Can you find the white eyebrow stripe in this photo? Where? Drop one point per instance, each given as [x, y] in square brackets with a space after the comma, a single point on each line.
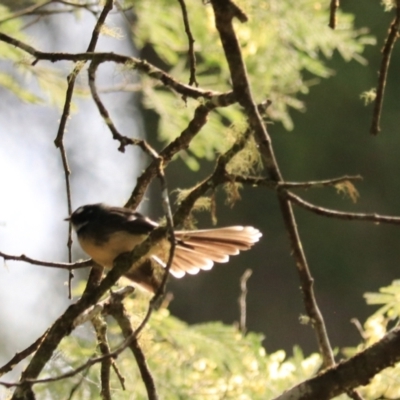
[79, 210]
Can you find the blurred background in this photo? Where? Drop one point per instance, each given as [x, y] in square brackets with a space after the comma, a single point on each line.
[330, 139]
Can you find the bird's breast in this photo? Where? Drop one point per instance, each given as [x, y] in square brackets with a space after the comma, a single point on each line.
[104, 253]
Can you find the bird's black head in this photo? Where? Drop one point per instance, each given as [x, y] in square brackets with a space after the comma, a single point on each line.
[85, 214]
[100, 220]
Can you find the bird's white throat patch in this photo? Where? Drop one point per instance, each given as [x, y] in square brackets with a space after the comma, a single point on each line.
[77, 227]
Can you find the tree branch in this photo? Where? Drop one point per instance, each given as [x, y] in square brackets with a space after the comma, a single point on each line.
[225, 11]
[59, 140]
[123, 140]
[180, 143]
[387, 50]
[64, 324]
[191, 54]
[326, 212]
[68, 266]
[216, 98]
[100, 328]
[332, 15]
[349, 374]
[118, 311]
[22, 355]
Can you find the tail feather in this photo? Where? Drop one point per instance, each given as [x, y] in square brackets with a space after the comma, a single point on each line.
[246, 233]
[186, 265]
[195, 251]
[212, 251]
[198, 250]
[226, 245]
[193, 257]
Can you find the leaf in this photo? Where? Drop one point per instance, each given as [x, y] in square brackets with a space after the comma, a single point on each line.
[296, 40]
[8, 82]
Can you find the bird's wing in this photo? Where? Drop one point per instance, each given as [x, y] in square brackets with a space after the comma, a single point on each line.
[132, 221]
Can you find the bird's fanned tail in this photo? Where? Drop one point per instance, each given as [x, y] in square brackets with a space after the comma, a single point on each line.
[198, 250]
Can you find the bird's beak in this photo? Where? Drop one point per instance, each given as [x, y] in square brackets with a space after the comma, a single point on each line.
[67, 219]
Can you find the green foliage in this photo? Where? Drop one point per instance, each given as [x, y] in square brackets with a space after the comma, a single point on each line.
[385, 384]
[36, 84]
[389, 4]
[11, 56]
[282, 41]
[205, 361]
[389, 298]
[208, 361]
[368, 96]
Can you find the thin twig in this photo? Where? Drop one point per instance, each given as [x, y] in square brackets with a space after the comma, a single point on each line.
[242, 300]
[119, 375]
[78, 384]
[123, 140]
[170, 230]
[100, 328]
[59, 141]
[75, 4]
[220, 176]
[321, 183]
[68, 266]
[191, 54]
[99, 307]
[40, 14]
[261, 181]
[180, 143]
[332, 15]
[25, 11]
[327, 212]
[67, 173]
[22, 355]
[72, 77]
[217, 177]
[118, 311]
[359, 328]
[387, 50]
[217, 99]
[70, 374]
